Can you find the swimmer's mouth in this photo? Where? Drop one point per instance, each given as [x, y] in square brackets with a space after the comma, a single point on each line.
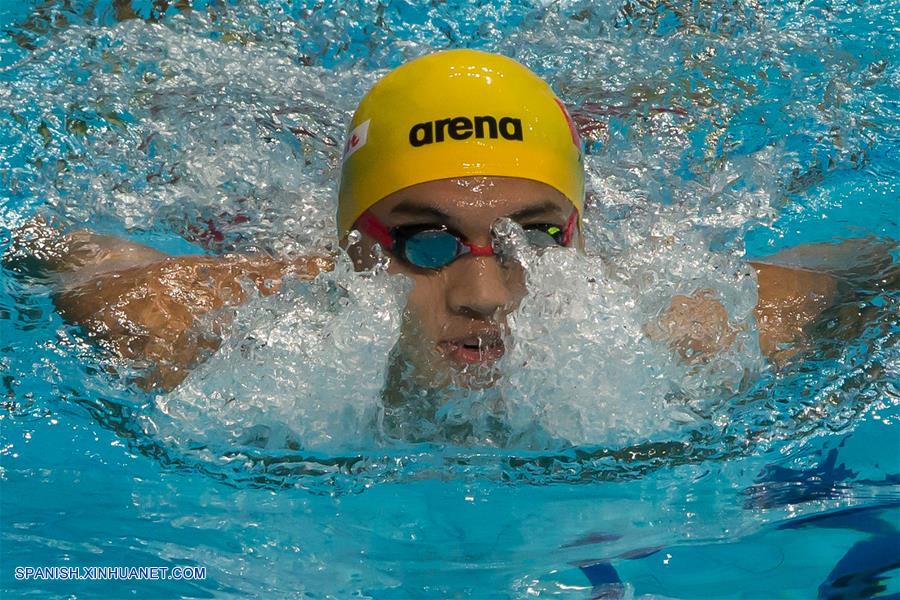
[483, 348]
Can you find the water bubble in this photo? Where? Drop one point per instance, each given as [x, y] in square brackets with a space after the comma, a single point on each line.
[510, 242]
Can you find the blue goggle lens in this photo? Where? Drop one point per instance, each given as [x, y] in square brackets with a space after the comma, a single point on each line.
[431, 249]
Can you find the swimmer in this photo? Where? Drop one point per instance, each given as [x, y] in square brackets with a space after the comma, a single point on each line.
[438, 151]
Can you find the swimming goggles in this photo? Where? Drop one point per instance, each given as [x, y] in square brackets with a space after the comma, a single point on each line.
[435, 246]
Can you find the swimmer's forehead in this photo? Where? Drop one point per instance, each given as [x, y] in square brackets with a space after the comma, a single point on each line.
[470, 200]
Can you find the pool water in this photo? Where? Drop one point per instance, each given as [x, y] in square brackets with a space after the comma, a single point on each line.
[715, 132]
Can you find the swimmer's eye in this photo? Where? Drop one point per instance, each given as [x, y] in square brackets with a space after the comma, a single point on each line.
[407, 231]
[543, 235]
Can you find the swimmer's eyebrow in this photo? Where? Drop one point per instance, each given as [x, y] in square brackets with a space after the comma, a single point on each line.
[417, 210]
[545, 209]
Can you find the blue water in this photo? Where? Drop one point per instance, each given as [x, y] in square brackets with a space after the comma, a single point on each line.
[739, 129]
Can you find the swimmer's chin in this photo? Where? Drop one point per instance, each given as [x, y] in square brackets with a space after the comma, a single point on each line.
[446, 373]
[448, 364]
[470, 363]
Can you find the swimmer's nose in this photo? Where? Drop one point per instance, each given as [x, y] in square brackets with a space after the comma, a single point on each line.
[482, 288]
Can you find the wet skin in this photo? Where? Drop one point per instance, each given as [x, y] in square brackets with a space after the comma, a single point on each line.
[149, 307]
[456, 315]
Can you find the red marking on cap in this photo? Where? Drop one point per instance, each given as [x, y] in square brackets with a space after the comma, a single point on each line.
[573, 130]
[354, 140]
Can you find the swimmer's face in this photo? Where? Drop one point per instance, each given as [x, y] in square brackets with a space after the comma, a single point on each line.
[455, 315]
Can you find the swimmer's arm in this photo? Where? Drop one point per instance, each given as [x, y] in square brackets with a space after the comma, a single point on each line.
[169, 314]
[40, 249]
[696, 327]
[161, 310]
[798, 284]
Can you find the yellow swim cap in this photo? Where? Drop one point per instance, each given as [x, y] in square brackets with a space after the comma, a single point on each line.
[454, 114]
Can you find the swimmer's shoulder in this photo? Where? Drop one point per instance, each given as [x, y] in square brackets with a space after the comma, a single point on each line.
[790, 297]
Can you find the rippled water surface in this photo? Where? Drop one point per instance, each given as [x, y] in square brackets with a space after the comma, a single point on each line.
[715, 132]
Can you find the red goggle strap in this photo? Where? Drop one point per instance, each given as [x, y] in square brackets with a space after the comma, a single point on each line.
[371, 226]
[477, 250]
[569, 230]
